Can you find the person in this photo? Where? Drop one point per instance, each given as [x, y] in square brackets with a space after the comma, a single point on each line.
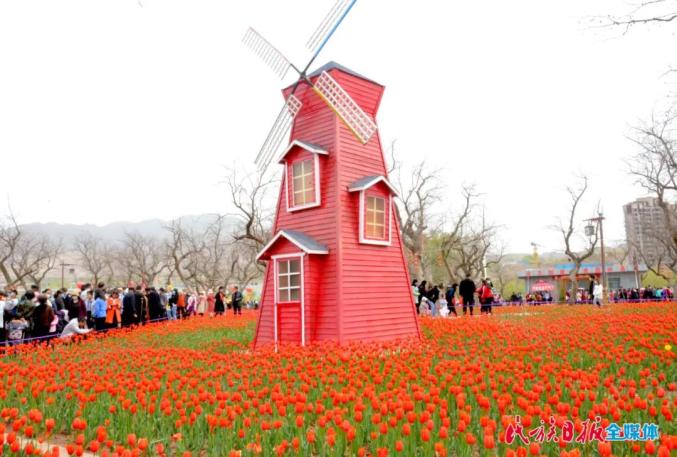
[450, 294]
[180, 303]
[76, 307]
[3, 303]
[597, 292]
[155, 310]
[99, 310]
[422, 292]
[433, 294]
[141, 305]
[440, 304]
[113, 317]
[237, 301]
[201, 304]
[129, 311]
[191, 303]
[486, 297]
[43, 315]
[591, 286]
[89, 304]
[211, 302]
[164, 302]
[220, 302]
[75, 326]
[26, 307]
[467, 291]
[59, 303]
[414, 290]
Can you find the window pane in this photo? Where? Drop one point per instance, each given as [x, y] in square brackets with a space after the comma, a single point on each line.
[284, 295]
[297, 168]
[298, 184]
[283, 281]
[370, 203]
[380, 204]
[295, 295]
[295, 266]
[295, 280]
[375, 218]
[380, 218]
[283, 266]
[309, 196]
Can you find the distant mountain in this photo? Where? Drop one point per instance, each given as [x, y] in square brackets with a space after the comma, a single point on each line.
[115, 231]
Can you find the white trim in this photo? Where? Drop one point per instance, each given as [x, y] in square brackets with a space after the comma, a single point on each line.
[301, 256]
[303, 308]
[363, 239]
[286, 256]
[305, 146]
[374, 181]
[316, 172]
[291, 240]
[275, 303]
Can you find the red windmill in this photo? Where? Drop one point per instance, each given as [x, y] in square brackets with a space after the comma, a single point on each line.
[336, 268]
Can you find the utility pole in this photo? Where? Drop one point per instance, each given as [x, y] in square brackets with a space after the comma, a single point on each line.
[63, 265]
[599, 221]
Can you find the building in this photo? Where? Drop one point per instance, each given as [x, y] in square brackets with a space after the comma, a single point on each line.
[336, 268]
[556, 278]
[644, 224]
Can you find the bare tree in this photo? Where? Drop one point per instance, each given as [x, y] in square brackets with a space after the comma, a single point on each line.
[34, 257]
[94, 256]
[655, 167]
[183, 248]
[24, 255]
[10, 236]
[249, 195]
[569, 235]
[417, 196]
[645, 12]
[465, 248]
[142, 257]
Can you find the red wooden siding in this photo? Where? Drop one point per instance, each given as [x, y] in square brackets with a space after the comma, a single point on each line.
[289, 323]
[357, 291]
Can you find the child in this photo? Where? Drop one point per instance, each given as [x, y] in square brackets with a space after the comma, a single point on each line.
[441, 306]
[425, 307]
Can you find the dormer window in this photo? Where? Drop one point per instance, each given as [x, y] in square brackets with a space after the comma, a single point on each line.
[375, 209]
[302, 175]
[303, 183]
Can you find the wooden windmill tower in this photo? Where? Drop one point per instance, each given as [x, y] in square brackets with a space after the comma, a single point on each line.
[336, 268]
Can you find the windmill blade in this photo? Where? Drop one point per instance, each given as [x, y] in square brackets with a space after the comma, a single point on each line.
[329, 25]
[270, 55]
[359, 122]
[279, 131]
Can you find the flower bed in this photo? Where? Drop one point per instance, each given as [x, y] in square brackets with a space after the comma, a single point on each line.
[196, 388]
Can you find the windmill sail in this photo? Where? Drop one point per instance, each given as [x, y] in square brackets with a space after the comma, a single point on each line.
[270, 55]
[329, 25]
[279, 131]
[359, 122]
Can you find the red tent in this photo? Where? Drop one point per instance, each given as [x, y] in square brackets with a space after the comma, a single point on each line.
[542, 286]
[335, 266]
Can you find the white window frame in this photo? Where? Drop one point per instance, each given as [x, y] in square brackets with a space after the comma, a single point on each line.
[301, 257]
[362, 222]
[316, 171]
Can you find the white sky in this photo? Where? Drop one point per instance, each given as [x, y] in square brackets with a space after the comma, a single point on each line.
[111, 111]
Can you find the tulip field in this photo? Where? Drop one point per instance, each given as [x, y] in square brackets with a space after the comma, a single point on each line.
[197, 388]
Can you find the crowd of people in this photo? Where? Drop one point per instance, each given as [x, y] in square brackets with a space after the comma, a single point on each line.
[40, 315]
[436, 300]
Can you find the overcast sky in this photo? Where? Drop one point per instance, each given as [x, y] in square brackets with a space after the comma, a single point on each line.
[114, 111]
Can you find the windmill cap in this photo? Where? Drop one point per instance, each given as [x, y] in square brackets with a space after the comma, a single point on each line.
[336, 66]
